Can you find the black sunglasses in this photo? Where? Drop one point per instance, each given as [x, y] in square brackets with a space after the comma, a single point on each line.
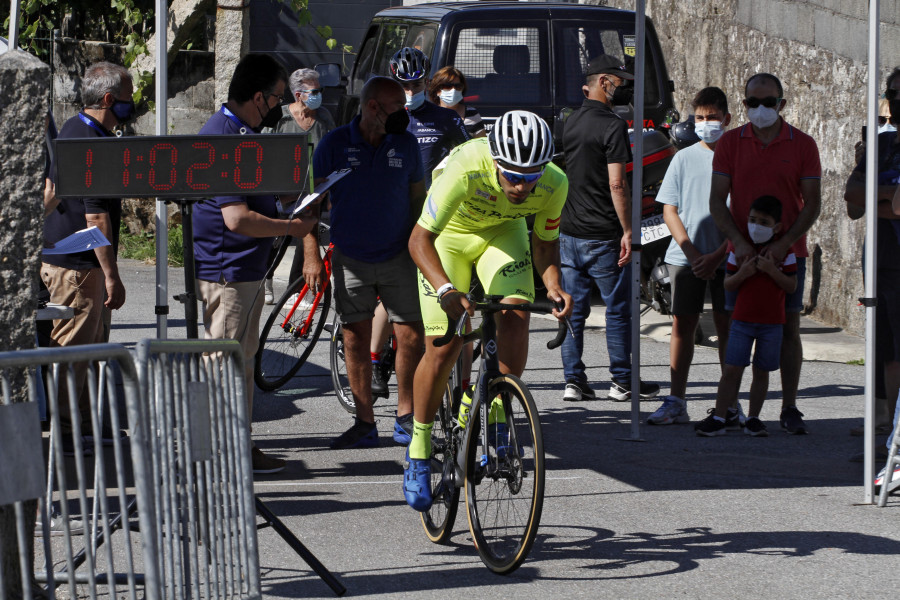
[768, 101]
[451, 86]
[890, 94]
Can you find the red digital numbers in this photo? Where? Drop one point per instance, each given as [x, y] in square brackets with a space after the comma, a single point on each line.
[257, 177]
[173, 173]
[88, 163]
[197, 166]
[299, 175]
[126, 160]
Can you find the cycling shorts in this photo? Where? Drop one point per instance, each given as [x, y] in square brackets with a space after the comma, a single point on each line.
[502, 260]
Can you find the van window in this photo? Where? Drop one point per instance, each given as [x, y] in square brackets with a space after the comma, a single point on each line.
[580, 43]
[366, 54]
[392, 37]
[506, 66]
[422, 37]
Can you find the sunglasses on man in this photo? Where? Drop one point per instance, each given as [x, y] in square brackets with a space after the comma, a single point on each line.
[768, 101]
[516, 178]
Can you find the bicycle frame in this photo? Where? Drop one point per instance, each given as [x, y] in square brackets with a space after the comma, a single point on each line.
[303, 330]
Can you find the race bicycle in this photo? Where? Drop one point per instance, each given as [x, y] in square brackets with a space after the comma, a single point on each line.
[339, 378]
[292, 329]
[498, 455]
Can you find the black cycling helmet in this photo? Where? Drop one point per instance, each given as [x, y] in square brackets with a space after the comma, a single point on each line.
[683, 134]
[409, 64]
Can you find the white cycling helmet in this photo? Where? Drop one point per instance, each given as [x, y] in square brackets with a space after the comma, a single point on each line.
[521, 139]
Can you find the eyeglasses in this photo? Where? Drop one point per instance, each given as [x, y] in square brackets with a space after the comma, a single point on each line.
[315, 91]
[882, 120]
[768, 101]
[519, 178]
[890, 93]
[452, 86]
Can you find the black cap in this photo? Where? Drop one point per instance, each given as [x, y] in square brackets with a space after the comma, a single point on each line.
[609, 65]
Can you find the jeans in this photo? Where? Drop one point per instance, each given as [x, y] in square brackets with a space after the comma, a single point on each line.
[592, 261]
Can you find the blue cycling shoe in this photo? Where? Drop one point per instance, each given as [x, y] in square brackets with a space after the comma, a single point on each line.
[498, 438]
[403, 428]
[417, 483]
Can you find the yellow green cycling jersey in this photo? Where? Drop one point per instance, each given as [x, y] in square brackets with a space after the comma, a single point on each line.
[467, 198]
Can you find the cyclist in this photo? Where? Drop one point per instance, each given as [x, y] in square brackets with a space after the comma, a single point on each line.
[438, 130]
[475, 215]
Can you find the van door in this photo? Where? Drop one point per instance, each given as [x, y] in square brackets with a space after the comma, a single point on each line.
[506, 67]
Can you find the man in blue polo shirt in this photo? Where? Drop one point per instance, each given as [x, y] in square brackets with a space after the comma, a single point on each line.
[373, 211]
[233, 235]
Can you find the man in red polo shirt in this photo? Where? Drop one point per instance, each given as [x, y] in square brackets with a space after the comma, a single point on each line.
[770, 157]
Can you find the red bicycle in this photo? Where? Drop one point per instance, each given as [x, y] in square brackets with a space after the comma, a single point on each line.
[292, 330]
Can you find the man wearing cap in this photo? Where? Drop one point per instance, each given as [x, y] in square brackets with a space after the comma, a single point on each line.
[595, 231]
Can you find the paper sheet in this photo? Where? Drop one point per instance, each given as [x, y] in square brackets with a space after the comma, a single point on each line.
[80, 241]
[320, 189]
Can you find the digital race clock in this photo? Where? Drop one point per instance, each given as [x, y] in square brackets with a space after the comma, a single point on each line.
[181, 166]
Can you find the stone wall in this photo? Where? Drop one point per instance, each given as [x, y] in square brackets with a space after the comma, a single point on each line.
[818, 50]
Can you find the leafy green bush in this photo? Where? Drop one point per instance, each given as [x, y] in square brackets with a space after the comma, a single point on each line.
[143, 246]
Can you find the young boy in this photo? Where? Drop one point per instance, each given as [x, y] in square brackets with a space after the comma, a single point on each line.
[761, 285]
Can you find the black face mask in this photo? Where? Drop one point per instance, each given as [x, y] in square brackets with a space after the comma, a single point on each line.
[270, 120]
[396, 122]
[895, 111]
[623, 96]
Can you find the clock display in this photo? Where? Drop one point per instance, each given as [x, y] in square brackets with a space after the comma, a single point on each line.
[181, 166]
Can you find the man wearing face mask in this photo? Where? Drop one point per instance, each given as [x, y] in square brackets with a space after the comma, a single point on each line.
[697, 252]
[887, 276]
[437, 129]
[373, 210]
[88, 282]
[595, 232]
[233, 235]
[769, 157]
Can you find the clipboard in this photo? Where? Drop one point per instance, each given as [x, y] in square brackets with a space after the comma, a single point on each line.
[320, 190]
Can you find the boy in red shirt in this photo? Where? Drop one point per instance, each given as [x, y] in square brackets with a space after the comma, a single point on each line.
[761, 285]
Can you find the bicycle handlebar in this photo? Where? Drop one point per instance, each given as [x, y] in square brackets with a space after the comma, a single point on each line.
[491, 307]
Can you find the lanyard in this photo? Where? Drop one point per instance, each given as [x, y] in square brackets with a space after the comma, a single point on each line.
[243, 128]
[92, 124]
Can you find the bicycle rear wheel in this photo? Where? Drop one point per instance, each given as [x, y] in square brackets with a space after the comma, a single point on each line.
[339, 378]
[505, 477]
[438, 520]
[286, 341]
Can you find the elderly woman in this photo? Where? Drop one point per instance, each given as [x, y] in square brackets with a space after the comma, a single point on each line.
[447, 88]
[305, 115]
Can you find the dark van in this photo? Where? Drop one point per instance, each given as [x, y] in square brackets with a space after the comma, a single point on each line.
[515, 55]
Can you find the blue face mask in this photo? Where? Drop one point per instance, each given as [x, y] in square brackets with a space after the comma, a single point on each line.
[415, 101]
[313, 100]
[124, 110]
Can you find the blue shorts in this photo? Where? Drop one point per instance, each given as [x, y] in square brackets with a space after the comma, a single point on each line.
[768, 345]
[793, 303]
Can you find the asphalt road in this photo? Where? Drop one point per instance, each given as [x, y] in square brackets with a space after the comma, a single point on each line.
[671, 515]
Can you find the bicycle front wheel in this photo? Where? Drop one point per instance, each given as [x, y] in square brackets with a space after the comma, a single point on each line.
[339, 378]
[505, 476]
[289, 335]
[438, 520]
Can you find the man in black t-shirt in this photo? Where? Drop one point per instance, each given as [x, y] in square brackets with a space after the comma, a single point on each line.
[595, 231]
[88, 281]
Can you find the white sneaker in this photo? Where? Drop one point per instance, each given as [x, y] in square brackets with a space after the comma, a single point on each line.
[304, 304]
[673, 410]
[270, 292]
[576, 392]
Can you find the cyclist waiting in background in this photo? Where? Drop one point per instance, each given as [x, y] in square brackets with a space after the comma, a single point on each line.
[437, 130]
[475, 215]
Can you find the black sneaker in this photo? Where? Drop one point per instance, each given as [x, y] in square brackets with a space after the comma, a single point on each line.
[735, 419]
[68, 446]
[792, 421]
[621, 391]
[753, 426]
[379, 385]
[710, 426]
[361, 435]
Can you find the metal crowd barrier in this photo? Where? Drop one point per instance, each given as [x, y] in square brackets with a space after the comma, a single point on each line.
[890, 482]
[106, 493]
[201, 468]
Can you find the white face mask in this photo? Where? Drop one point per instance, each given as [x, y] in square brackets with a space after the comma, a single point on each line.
[762, 116]
[760, 234]
[708, 131]
[886, 127]
[451, 97]
[415, 101]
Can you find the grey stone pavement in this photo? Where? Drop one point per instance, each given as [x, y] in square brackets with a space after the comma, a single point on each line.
[672, 515]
